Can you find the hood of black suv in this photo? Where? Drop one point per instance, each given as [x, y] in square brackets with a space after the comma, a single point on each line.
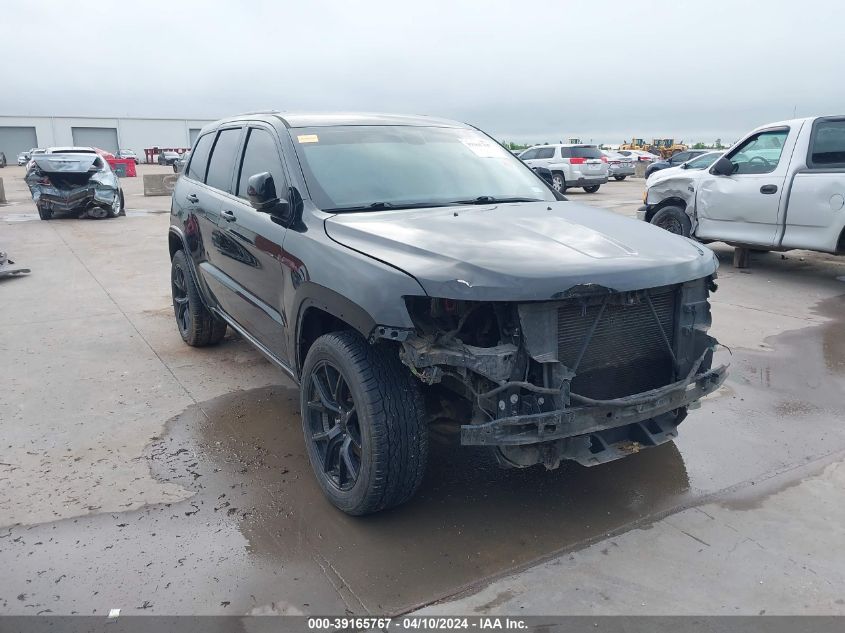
[522, 251]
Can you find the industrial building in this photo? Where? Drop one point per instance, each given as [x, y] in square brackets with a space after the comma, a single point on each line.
[21, 133]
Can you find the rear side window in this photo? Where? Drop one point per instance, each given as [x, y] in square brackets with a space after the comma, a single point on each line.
[199, 158]
[545, 152]
[827, 144]
[585, 152]
[222, 162]
[261, 155]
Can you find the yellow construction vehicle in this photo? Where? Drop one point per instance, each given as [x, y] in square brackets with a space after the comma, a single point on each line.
[666, 147]
[636, 143]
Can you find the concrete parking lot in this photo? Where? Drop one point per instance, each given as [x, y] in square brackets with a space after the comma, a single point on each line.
[141, 474]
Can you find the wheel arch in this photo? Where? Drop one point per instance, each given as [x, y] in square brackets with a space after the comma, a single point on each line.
[176, 241]
[321, 311]
[840, 243]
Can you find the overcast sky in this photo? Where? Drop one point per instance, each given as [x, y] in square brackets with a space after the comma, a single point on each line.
[522, 70]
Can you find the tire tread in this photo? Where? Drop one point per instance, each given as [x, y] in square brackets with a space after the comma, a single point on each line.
[396, 412]
[206, 329]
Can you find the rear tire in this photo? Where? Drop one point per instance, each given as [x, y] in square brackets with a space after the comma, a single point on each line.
[120, 209]
[197, 325]
[592, 188]
[673, 219]
[364, 423]
[620, 177]
[44, 213]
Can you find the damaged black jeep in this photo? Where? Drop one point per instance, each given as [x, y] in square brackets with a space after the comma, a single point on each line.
[74, 179]
[409, 270]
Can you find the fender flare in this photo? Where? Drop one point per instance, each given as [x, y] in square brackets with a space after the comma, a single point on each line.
[192, 267]
[313, 295]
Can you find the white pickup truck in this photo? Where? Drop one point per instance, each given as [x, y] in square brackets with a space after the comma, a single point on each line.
[781, 187]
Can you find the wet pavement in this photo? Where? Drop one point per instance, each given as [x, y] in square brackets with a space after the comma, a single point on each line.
[256, 535]
[213, 508]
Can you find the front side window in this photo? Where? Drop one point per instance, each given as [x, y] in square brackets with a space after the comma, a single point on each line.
[199, 158]
[545, 152]
[680, 157]
[528, 154]
[222, 162]
[372, 167]
[261, 155]
[760, 153]
[827, 145]
[703, 162]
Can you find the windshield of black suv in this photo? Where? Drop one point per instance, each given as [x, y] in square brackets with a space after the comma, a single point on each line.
[353, 168]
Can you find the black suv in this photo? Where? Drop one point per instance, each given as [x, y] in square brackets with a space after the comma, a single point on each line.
[409, 269]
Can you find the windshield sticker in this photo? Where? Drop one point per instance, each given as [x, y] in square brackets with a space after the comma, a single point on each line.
[308, 138]
[482, 147]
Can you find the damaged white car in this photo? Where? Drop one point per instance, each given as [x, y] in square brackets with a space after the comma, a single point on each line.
[74, 179]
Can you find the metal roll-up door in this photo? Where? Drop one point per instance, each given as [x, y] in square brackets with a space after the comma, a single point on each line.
[14, 140]
[101, 137]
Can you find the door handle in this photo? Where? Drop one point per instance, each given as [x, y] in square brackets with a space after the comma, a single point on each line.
[192, 198]
[769, 189]
[228, 215]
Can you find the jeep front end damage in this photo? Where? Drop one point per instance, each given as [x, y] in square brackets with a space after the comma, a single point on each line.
[590, 378]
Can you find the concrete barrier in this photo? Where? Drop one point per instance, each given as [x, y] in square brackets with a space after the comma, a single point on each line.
[2, 192]
[159, 184]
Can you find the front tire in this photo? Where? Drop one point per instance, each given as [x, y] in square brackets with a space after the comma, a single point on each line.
[44, 213]
[592, 188]
[673, 219]
[620, 177]
[363, 418]
[558, 182]
[197, 325]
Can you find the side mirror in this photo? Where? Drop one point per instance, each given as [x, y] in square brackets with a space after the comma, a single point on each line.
[722, 167]
[261, 191]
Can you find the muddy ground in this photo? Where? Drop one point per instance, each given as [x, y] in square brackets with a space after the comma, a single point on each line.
[143, 475]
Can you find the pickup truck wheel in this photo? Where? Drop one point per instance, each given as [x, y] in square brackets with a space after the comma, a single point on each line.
[558, 182]
[673, 219]
[592, 188]
[197, 325]
[620, 177]
[44, 213]
[363, 419]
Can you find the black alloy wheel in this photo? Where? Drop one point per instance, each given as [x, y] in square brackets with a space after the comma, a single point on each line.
[332, 426]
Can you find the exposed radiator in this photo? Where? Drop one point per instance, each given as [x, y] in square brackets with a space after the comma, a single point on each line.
[626, 354]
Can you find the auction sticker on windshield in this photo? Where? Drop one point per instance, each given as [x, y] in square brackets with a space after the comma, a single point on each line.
[308, 138]
[483, 148]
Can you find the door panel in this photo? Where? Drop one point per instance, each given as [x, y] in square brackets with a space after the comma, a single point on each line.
[816, 210]
[250, 243]
[745, 207]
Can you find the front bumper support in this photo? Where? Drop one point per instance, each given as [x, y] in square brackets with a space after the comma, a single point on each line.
[563, 423]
